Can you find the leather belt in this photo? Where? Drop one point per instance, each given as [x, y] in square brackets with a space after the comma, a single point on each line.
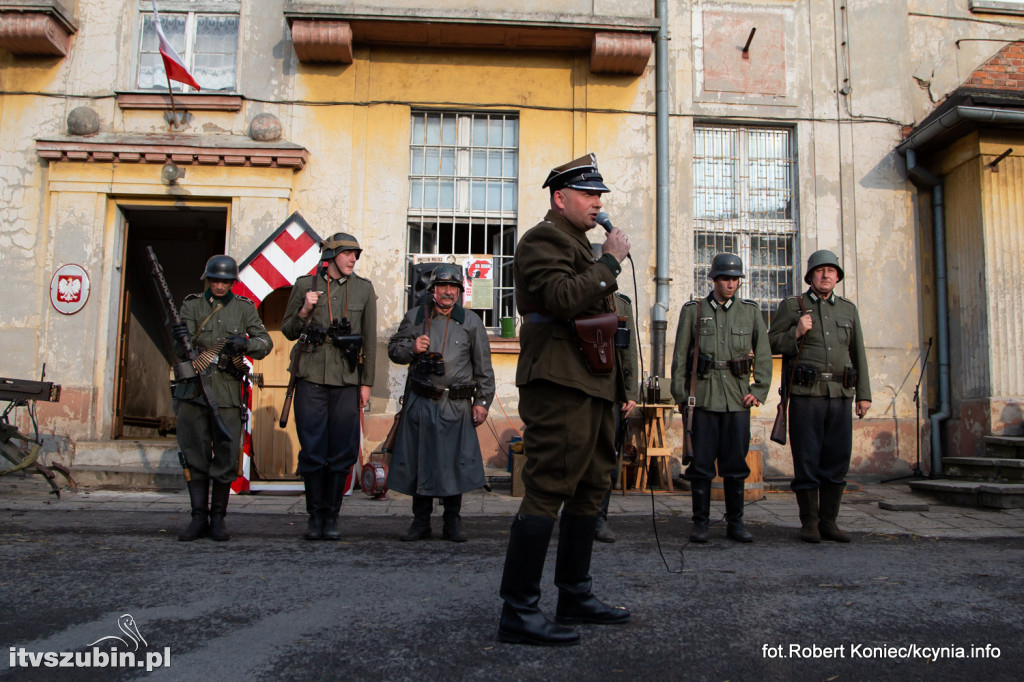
[436, 393]
[540, 318]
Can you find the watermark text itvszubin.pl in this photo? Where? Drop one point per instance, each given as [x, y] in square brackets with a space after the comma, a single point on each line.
[879, 651]
[90, 658]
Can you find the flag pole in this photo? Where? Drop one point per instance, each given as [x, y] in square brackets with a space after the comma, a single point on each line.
[170, 92]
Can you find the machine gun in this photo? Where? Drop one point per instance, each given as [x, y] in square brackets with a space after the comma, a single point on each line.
[24, 393]
[186, 371]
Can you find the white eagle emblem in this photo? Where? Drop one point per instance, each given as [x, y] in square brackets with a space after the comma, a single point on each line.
[69, 288]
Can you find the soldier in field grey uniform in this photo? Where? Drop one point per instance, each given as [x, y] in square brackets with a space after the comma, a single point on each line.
[733, 340]
[437, 453]
[830, 377]
[567, 411]
[214, 317]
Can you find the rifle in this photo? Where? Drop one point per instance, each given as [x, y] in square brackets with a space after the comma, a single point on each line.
[185, 371]
[691, 401]
[305, 340]
[782, 414]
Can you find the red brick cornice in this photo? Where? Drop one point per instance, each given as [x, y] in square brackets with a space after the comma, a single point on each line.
[194, 150]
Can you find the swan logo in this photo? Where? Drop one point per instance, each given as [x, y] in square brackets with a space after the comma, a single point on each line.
[117, 652]
[125, 624]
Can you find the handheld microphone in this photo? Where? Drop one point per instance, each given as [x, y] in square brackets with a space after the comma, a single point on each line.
[605, 221]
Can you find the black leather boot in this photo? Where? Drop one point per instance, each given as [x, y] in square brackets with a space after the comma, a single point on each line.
[831, 498]
[734, 529]
[452, 529]
[314, 503]
[334, 495]
[700, 492]
[198, 493]
[522, 621]
[808, 503]
[576, 601]
[420, 527]
[219, 496]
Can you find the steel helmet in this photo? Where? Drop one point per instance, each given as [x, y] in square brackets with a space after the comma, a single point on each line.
[823, 257]
[337, 243]
[446, 273]
[221, 267]
[726, 265]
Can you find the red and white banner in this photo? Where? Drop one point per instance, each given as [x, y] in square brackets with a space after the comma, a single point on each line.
[174, 65]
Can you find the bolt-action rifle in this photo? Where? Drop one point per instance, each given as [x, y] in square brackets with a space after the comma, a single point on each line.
[185, 371]
[305, 340]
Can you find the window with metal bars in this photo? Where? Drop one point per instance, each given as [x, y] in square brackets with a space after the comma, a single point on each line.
[744, 203]
[205, 36]
[463, 193]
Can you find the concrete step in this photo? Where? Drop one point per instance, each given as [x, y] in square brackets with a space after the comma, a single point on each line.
[128, 464]
[973, 493]
[1004, 446]
[991, 469]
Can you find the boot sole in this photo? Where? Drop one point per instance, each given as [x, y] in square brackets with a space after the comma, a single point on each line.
[510, 638]
[591, 621]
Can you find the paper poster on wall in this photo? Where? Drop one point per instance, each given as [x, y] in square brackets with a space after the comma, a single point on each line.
[477, 272]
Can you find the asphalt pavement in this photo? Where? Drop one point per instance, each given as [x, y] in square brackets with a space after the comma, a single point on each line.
[920, 594]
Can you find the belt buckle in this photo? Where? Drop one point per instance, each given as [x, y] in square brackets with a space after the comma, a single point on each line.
[826, 376]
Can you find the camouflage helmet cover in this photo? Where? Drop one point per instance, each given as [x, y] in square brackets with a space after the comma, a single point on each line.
[337, 243]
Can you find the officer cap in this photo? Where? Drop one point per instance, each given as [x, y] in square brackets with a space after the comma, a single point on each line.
[820, 258]
[579, 174]
[446, 273]
[221, 267]
[726, 265]
[338, 243]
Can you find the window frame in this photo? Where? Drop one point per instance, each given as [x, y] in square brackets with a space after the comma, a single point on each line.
[491, 231]
[192, 9]
[740, 230]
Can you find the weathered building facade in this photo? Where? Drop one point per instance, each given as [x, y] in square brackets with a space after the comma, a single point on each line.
[426, 128]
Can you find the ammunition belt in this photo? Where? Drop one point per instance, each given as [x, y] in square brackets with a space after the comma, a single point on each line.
[807, 376]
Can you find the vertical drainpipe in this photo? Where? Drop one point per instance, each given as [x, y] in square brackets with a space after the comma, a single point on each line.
[923, 178]
[659, 315]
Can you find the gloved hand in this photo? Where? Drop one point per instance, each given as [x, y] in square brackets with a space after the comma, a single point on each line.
[235, 345]
[179, 330]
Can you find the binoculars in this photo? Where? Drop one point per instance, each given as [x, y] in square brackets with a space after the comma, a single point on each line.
[431, 363]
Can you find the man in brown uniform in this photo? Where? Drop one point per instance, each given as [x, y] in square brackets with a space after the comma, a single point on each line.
[567, 411]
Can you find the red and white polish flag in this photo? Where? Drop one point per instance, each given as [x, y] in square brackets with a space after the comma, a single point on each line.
[173, 64]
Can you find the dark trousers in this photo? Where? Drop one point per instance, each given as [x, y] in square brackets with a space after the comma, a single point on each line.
[821, 437]
[722, 436]
[569, 450]
[620, 441]
[207, 459]
[327, 424]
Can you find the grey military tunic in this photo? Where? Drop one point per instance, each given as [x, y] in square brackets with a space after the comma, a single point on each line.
[437, 452]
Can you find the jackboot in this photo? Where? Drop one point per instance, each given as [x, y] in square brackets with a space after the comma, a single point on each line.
[522, 621]
[734, 529]
[334, 495]
[700, 493]
[198, 493]
[314, 503]
[602, 533]
[420, 528]
[576, 601]
[831, 497]
[218, 510]
[808, 502]
[452, 529]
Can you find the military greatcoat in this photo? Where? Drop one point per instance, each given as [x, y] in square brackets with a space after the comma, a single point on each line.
[437, 452]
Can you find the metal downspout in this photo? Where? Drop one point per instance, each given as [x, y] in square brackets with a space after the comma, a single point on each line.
[923, 178]
[659, 315]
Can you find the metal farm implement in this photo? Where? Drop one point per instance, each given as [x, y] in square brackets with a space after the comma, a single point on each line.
[17, 448]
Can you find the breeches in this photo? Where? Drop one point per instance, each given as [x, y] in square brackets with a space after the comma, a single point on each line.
[722, 436]
[206, 458]
[569, 447]
[327, 424]
[821, 437]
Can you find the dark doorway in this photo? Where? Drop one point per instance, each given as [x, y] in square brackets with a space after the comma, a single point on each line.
[183, 239]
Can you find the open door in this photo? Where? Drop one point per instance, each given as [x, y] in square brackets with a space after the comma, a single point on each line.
[183, 239]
